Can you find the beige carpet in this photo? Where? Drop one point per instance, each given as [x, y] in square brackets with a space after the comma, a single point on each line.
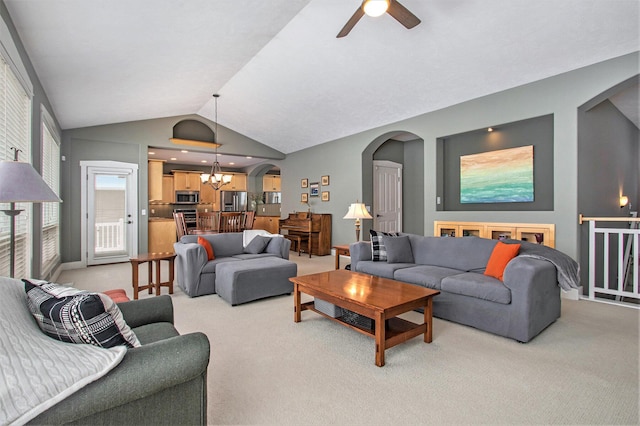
[266, 369]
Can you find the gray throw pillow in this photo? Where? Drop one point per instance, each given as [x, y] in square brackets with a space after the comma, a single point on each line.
[257, 244]
[398, 249]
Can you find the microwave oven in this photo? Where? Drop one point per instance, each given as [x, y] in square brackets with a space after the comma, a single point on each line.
[187, 197]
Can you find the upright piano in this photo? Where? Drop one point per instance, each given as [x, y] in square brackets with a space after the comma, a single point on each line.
[316, 226]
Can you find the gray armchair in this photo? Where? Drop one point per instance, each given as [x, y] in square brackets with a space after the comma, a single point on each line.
[162, 382]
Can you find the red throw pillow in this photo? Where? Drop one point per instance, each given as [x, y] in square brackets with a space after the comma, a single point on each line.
[207, 246]
[501, 255]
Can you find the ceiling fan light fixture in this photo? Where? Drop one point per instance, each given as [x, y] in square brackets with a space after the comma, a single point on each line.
[375, 8]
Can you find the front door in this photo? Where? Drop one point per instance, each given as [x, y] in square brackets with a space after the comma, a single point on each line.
[111, 212]
[387, 196]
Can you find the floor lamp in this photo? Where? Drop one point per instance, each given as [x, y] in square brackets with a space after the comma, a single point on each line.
[357, 211]
[19, 183]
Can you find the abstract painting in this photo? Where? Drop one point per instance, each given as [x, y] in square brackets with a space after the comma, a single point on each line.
[503, 176]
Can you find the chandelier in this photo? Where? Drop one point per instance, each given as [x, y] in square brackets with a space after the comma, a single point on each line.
[216, 178]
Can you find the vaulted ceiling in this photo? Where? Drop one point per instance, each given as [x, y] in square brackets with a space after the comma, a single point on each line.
[284, 78]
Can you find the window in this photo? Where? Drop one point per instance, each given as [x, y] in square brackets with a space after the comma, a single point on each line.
[15, 122]
[50, 211]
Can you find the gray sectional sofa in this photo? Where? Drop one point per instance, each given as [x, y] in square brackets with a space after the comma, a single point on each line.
[197, 276]
[520, 307]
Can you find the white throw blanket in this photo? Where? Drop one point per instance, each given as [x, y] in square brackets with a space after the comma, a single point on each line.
[36, 371]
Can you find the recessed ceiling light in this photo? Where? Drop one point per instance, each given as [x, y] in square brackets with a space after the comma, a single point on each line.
[151, 153]
[490, 129]
[173, 158]
[249, 157]
[203, 161]
[232, 163]
[184, 151]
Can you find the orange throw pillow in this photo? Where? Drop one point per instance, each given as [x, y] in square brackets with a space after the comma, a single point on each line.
[207, 246]
[501, 255]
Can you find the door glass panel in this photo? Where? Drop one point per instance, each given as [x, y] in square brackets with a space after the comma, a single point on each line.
[110, 214]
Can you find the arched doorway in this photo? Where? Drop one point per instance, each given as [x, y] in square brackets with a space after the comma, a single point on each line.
[406, 149]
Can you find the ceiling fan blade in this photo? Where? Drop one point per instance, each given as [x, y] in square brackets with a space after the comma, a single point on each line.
[351, 23]
[402, 14]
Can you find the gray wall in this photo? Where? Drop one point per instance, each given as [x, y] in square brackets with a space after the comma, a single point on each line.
[39, 99]
[536, 131]
[560, 96]
[608, 154]
[129, 142]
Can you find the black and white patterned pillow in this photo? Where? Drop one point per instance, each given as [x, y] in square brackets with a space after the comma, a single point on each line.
[377, 245]
[76, 316]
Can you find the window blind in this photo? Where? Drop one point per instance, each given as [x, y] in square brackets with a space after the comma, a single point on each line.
[15, 121]
[50, 211]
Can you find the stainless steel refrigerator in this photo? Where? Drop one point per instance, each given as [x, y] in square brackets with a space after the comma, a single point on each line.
[233, 201]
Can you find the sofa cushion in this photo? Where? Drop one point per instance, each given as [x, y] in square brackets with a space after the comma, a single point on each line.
[477, 285]
[377, 245]
[501, 255]
[210, 266]
[398, 249]
[381, 269]
[257, 244]
[155, 332]
[76, 316]
[207, 246]
[465, 254]
[224, 244]
[424, 275]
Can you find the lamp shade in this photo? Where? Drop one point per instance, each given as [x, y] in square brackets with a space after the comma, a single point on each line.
[19, 182]
[357, 211]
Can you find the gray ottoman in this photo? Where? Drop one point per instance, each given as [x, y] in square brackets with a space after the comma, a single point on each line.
[241, 282]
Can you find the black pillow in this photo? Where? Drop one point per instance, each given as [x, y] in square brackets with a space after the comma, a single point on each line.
[377, 245]
[257, 244]
[76, 316]
[398, 249]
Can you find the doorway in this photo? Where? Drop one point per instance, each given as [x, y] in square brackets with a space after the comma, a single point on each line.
[110, 211]
[387, 196]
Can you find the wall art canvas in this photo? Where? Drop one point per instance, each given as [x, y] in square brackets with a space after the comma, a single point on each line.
[503, 176]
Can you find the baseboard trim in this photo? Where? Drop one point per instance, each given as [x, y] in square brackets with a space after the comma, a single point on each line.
[71, 265]
[573, 294]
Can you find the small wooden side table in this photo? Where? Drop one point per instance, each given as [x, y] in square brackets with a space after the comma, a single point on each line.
[151, 258]
[341, 251]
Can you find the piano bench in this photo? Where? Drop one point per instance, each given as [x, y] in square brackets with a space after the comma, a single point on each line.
[296, 242]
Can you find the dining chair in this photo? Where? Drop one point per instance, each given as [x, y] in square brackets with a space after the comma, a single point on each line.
[181, 225]
[207, 221]
[230, 222]
[248, 219]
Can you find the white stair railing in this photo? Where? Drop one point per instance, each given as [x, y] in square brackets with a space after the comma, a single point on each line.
[622, 242]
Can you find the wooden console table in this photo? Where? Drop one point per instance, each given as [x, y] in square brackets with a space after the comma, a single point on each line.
[341, 251]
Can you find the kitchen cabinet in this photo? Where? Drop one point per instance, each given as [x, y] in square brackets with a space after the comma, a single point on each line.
[542, 233]
[271, 183]
[162, 235]
[208, 195]
[155, 180]
[268, 223]
[186, 181]
[238, 183]
[168, 193]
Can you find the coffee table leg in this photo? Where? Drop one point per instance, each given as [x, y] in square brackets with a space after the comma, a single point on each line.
[428, 319]
[380, 338]
[296, 303]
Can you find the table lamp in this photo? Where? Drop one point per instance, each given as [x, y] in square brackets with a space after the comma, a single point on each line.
[357, 211]
[19, 182]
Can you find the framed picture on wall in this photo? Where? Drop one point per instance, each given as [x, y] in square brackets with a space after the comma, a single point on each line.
[304, 197]
[314, 189]
[304, 183]
[325, 180]
[325, 195]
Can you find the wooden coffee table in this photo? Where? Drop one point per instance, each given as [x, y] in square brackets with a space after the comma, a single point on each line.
[380, 299]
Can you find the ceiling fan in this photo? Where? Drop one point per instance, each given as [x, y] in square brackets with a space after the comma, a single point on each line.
[377, 8]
